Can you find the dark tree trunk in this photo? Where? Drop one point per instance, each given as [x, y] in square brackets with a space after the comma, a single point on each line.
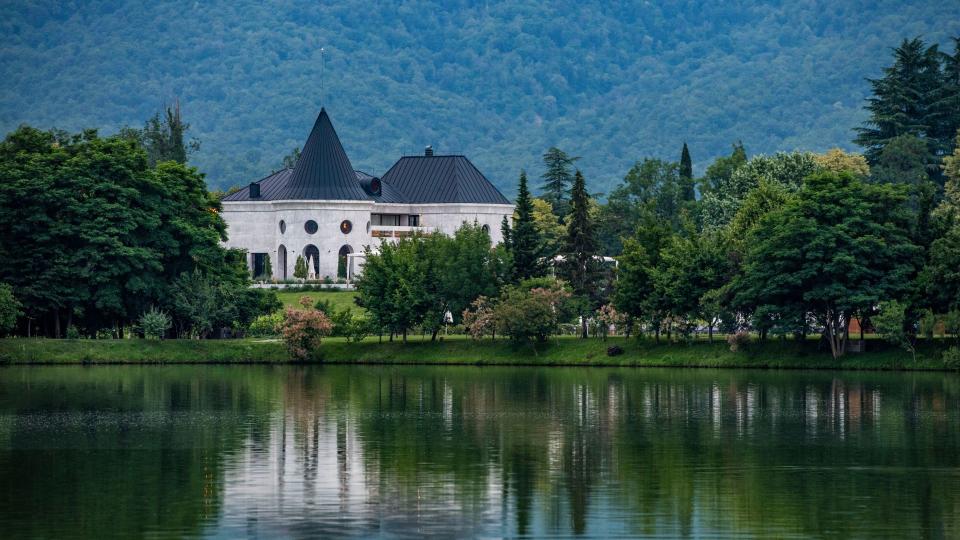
[56, 323]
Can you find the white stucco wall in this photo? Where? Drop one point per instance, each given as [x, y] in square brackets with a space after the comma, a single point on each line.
[255, 226]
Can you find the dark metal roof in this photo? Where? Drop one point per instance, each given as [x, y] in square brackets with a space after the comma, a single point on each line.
[323, 172]
[441, 179]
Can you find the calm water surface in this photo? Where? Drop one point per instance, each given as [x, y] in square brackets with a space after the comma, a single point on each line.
[303, 452]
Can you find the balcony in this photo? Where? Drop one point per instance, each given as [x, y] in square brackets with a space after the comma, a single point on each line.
[397, 231]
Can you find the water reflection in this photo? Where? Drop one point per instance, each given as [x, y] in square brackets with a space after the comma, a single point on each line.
[410, 452]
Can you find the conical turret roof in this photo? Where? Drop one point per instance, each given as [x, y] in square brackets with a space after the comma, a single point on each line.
[323, 171]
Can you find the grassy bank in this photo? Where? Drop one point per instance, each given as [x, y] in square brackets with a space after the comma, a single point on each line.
[558, 352]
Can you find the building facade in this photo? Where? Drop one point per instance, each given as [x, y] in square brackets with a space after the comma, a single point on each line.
[328, 213]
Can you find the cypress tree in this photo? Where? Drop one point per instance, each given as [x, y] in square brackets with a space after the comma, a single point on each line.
[524, 239]
[556, 180]
[507, 233]
[686, 175]
[580, 250]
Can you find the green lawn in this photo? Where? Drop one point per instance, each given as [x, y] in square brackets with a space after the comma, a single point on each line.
[562, 351]
[339, 299]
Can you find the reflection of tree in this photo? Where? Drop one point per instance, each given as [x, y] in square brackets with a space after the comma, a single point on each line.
[121, 452]
[415, 450]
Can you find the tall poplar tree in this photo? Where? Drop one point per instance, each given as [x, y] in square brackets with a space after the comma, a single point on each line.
[557, 179]
[580, 265]
[525, 242]
[687, 192]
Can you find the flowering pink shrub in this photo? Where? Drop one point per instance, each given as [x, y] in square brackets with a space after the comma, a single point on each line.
[303, 330]
[478, 318]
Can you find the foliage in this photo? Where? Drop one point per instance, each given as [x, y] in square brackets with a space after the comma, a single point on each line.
[530, 314]
[606, 317]
[154, 323]
[917, 96]
[163, 138]
[9, 309]
[722, 202]
[303, 330]
[549, 227]
[265, 325]
[417, 281]
[247, 93]
[634, 294]
[267, 267]
[890, 321]
[199, 304]
[951, 358]
[557, 178]
[840, 247]
[478, 319]
[651, 191]
[93, 235]
[837, 160]
[300, 268]
[719, 172]
[687, 188]
[581, 264]
[738, 341]
[526, 246]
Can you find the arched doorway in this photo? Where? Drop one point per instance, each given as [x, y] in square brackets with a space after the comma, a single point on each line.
[342, 261]
[282, 261]
[312, 254]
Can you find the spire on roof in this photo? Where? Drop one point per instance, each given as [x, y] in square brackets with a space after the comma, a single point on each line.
[323, 170]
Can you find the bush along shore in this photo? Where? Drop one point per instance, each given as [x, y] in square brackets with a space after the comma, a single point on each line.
[559, 351]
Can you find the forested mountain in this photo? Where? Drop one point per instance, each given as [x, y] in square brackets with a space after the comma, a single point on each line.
[611, 82]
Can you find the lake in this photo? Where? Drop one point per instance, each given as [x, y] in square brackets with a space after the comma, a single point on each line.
[395, 452]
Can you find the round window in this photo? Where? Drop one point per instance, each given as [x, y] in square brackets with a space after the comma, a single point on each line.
[346, 226]
[283, 226]
[310, 226]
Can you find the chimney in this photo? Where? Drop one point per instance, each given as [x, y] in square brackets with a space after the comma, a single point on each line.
[254, 190]
[428, 151]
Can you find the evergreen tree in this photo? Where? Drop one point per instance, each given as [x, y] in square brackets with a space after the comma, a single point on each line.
[687, 192]
[580, 250]
[945, 103]
[525, 242]
[902, 99]
[164, 137]
[556, 180]
[300, 270]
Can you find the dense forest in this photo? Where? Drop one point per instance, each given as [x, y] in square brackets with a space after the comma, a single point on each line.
[498, 82]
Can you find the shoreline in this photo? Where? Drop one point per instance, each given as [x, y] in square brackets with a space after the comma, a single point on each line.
[457, 350]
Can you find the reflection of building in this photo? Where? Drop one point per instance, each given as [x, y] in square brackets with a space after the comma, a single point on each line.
[324, 210]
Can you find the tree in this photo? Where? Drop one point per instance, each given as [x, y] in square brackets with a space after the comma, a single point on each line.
[290, 160]
[525, 242]
[904, 160]
[524, 313]
[940, 278]
[303, 331]
[720, 171]
[891, 323]
[581, 266]
[901, 100]
[634, 289]
[300, 268]
[841, 246]
[163, 138]
[155, 323]
[721, 203]
[557, 178]
[836, 160]
[687, 187]
[267, 267]
[9, 309]
[650, 191]
[551, 231]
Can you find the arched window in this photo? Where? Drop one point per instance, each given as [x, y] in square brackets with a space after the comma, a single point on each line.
[282, 260]
[342, 261]
[486, 229]
[312, 254]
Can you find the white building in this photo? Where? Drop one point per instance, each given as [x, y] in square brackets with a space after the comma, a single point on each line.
[325, 211]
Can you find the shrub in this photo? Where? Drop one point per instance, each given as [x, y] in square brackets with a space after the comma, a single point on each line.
[738, 341]
[72, 332]
[303, 330]
[616, 350]
[9, 308]
[478, 319]
[265, 326]
[951, 357]
[890, 322]
[530, 314]
[606, 317]
[154, 323]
